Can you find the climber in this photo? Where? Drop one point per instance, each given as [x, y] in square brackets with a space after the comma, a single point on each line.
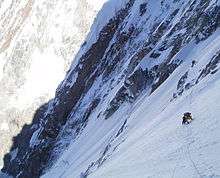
[187, 118]
[193, 63]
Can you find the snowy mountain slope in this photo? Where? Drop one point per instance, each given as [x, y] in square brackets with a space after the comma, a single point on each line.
[118, 111]
[163, 148]
[36, 36]
[155, 144]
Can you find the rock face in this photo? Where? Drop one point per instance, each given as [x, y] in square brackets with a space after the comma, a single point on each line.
[38, 40]
[138, 45]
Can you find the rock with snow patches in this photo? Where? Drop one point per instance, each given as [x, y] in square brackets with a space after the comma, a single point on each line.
[117, 113]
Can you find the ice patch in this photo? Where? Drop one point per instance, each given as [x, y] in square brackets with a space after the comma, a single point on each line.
[14, 154]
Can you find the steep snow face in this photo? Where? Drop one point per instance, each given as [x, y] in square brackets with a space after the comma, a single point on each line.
[118, 111]
[38, 40]
[155, 143]
[152, 141]
[146, 139]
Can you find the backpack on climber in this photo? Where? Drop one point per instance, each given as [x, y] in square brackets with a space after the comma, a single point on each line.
[187, 118]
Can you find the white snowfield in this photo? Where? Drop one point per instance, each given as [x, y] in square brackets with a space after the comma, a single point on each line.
[154, 144]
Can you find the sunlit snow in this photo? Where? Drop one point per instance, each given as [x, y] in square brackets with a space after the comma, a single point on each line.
[45, 73]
